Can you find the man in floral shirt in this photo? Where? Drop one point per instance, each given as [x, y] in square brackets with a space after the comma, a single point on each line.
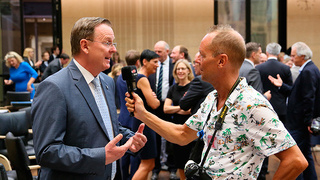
[251, 130]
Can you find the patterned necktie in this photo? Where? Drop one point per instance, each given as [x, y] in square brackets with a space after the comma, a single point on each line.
[159, 87]
[104, 111]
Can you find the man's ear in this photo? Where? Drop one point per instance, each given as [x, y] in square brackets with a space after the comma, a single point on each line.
[223, 59]
[253, 54]
[84, 46]
[182, 55]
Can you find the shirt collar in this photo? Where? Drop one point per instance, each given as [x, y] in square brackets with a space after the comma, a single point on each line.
[86, 74]
[166, 61]
[274, 58]
[234, 95]
[304, 64]
[249, 61]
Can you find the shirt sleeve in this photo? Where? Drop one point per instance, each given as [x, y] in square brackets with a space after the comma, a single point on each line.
[197, 121]
[268, 133]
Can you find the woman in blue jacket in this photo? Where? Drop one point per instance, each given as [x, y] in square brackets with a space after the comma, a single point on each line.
[21, 73]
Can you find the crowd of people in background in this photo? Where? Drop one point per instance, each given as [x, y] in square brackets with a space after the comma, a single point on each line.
[24, 76]
[171, 87]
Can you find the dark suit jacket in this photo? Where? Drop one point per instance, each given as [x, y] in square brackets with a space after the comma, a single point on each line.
[52, 68]
[273, 67]
[304, 99]
[69, 133]
[51, 58]
[42, 67]
[27, 60]
[195, 95]
[252, 76]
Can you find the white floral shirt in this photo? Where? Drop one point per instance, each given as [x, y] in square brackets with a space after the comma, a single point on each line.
[250, 132]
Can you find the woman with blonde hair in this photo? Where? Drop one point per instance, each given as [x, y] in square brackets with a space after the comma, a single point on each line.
[20, 73]
[28, 55]
[183, 75]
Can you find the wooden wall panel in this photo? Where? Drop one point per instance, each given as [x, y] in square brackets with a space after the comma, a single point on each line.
[303, 25]
[139, 24]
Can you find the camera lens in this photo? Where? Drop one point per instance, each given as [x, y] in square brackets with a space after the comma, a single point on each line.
[315, 126]
[191, 168]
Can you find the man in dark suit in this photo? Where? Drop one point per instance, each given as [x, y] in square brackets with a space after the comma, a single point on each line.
[303, 102]
[197, 91]
[55, 51]
[55, 66]
[162, 49]
[273, 67]
[76, 132]
[247, 70]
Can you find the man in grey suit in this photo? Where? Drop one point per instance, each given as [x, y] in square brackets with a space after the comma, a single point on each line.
[247, 70]
[55, 66]
[76, 132]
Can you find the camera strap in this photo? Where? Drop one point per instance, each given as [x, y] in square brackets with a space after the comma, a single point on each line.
[218, 124]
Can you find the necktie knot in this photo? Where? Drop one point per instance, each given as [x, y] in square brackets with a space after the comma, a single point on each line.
[96, 82]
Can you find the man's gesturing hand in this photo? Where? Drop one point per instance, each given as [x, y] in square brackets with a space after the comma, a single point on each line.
[114, 152]
[138, 140]
[276, 81]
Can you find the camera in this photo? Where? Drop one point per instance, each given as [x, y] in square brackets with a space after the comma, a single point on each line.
[315, 126]
[194, 172]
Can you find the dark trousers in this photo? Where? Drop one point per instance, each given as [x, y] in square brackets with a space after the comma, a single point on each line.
[302, 138]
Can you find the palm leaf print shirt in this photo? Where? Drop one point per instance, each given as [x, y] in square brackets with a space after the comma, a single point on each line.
[251, 131]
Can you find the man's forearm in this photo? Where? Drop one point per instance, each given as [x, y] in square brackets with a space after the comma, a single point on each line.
[292, 163]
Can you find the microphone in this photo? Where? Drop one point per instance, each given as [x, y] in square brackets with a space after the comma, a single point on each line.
[129, 74]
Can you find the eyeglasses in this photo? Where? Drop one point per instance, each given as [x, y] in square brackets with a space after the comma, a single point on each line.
[182, 69]
[108, 44]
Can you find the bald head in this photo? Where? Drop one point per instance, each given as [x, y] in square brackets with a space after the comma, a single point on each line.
[162, 49]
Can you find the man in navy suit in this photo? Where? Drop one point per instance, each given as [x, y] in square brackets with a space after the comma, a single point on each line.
[55, 50]
[72, 138]
[273, 67]
[303, 103]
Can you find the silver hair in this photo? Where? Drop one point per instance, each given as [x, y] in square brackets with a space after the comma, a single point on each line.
[303, 49]
[164, 44]
[273, 48]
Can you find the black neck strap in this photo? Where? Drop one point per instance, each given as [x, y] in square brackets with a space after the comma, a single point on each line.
[218, 125]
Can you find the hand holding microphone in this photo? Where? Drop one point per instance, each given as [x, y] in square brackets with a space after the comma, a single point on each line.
[129, 74]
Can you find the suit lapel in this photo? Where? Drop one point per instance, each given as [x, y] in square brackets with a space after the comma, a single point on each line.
[84, 89]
